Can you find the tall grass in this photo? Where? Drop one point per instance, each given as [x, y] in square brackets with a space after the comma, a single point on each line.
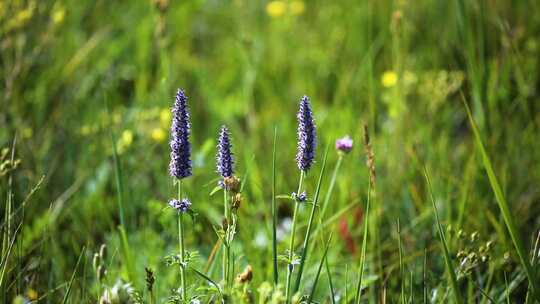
[504, 208]
[444, 244]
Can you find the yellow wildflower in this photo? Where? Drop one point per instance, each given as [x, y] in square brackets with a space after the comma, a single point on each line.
[127, 138]
[389, 79]
[27, 132]
[125, 141]
[297, 7]
[165, 116]
[58, 15]
[158, 135]
[32, 294]
[276, 8]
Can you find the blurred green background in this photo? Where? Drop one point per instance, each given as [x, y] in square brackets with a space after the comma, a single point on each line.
[76, 73]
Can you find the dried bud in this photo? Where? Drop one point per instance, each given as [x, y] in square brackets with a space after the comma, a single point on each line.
[161, 5]
[224, 224]
[246, 275]
[236, 201]
[232, 183]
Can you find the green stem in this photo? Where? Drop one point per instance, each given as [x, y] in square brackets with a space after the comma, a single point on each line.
[274, 212]
[291, 244]
[447, 257]
[364, 246]
[305, 247]
[401, 281]
[226, 245]
[181, 244]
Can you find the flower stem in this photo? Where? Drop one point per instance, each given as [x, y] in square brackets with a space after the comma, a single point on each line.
[291, 244]
[226, 245]
[181, 244]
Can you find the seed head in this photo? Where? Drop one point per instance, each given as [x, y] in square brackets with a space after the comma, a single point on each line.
[370, 157]
[307, 136]
[180, 165]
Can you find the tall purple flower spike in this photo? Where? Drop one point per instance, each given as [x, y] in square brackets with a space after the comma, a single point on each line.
[180, 165]
[307, 136]
[224, 157]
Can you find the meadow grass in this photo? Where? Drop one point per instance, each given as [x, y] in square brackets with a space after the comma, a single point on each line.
[86, 96]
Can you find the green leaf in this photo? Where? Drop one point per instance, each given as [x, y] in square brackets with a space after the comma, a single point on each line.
[285, 196]
[208, 279]
[215, 190]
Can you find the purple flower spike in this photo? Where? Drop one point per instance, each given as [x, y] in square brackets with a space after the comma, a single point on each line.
[344, 144]
[180, 165]
[224, 157]
[307, 136]
[180, 206]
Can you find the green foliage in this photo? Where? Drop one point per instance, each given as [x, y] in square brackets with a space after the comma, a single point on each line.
[76, 172]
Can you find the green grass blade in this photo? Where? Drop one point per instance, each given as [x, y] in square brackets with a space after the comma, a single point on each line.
[424, 278]
[126, 252]
[507, 291]
[68, 291]
[323, 258]
[208, 279]
[6, 255]
[332, 184]
[402, 277]
[505, 209]
[364, 246]
[120, 200]
[447, 258]
[117, 170]
[346, 283]
[330, 282]
[305, 247]
[274, 212]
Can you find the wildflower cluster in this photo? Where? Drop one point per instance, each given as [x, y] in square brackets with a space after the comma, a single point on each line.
[180, 167]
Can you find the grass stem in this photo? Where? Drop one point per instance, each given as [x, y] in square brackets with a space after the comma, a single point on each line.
[274, 212]
[290, 267]
[181, 245]
[364, 246]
